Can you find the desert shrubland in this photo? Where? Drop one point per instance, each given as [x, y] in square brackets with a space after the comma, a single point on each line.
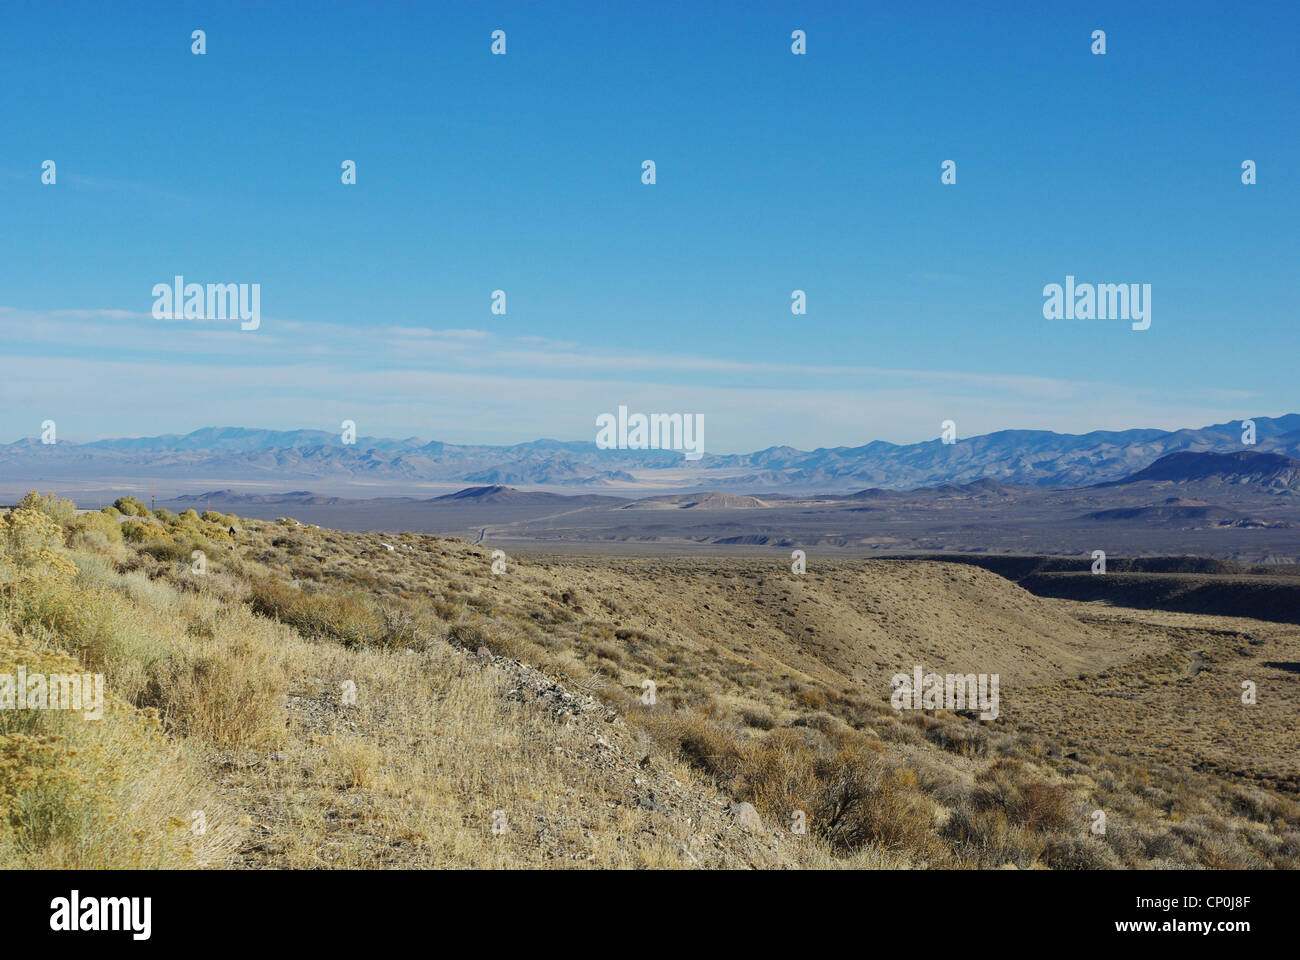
[325, 701]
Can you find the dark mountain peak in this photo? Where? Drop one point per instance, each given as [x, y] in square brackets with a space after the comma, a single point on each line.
[1241, 466]
[304, 497]
[989, 485]
[493, 493]
[226, 494]
[873, 493]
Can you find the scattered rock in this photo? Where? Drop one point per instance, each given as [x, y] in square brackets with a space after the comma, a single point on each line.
[650, 802]
[746, 817]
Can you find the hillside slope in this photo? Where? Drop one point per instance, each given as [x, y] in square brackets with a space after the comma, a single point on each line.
[364, 700]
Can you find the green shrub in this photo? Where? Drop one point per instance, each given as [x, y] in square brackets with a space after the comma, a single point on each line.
[59, 510]
[99, 523]
[131, 507]
[168, 550]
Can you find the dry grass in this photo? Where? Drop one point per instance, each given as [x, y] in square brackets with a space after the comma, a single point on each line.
[113, 793]
[322, 699]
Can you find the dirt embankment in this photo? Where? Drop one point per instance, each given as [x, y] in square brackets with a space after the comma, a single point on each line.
[1178, 584]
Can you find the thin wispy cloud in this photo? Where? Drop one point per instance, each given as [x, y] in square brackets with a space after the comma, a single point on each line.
[318, 385]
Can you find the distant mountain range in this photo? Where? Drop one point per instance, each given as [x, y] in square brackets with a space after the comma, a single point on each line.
[236, 456]
[1262, 473]
[1242, 506]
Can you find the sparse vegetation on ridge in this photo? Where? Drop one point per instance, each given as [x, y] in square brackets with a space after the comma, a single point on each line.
[228, 694]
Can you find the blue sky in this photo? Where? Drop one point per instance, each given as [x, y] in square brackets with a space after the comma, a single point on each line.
[522, 172]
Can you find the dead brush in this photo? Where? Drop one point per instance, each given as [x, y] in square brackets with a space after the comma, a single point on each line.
[1042, 806]
[987, 839]
[963, 738]
[402, 628]
[1032, 803]
[866, 800]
